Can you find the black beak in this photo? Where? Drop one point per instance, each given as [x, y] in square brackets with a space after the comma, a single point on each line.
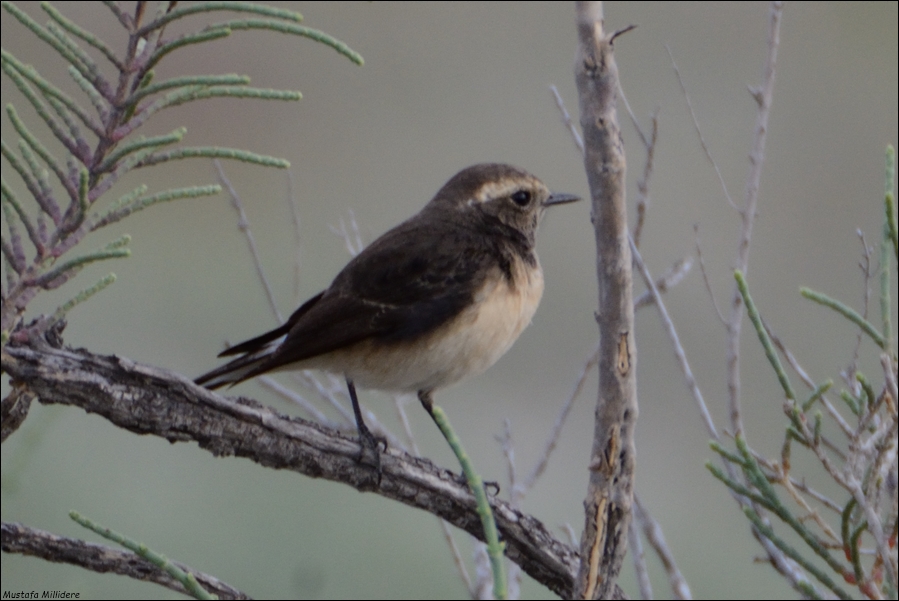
[560, 199]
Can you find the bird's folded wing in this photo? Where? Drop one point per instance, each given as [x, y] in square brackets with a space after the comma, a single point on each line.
[390, 292]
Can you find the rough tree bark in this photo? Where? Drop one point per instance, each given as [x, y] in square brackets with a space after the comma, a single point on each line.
[610, 491]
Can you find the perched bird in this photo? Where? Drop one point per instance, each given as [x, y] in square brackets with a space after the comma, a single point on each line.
[438, 298]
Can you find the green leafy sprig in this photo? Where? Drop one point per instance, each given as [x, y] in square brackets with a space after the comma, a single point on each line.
[100, 139]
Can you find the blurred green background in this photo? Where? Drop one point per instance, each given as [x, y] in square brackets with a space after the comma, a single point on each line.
[445, 86]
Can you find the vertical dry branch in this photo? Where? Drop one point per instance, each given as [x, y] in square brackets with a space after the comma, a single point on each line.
[610, 491]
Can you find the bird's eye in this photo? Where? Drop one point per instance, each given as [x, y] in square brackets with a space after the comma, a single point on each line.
[521, 198]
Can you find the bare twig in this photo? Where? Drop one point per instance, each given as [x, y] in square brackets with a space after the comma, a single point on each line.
[349, 234]
[505, 441]
[634, 121]
[457, 559]
[810, 512]
[690, 380]
[566, 119]
[399, 404]
[705, 276]
[244, 225]
[705, 147]
[668, 280]
[556, 431]
[875, 526]
[297, 253]
[805, 488]
[777, 558]
[653, 532]
[807, 380]
[638, 557]
[643, 182]
[763, 97]
[483, 585]
[672, 277]
[300, 401]
[334, 394]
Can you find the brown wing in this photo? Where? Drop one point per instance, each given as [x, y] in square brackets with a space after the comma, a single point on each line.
[410, 280]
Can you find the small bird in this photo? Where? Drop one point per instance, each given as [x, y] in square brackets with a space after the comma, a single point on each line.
[438, 298]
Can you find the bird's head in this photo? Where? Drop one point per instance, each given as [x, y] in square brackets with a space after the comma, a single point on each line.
[497, 192]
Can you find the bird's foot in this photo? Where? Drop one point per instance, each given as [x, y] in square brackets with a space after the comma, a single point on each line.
[491, 487]
[370, 452]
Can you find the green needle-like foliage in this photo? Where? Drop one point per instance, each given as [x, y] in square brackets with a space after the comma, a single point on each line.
[117, 107]
[845, 311]
[858, 462]
[770, 352]
[476, 484]
[96, 143]
[187, 580]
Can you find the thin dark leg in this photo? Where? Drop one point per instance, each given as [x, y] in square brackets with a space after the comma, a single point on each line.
[367, 441]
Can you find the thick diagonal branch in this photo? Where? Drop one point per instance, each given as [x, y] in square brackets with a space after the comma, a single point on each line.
[149, 400]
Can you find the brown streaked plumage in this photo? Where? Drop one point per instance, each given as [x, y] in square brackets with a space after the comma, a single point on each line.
[436, 299]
